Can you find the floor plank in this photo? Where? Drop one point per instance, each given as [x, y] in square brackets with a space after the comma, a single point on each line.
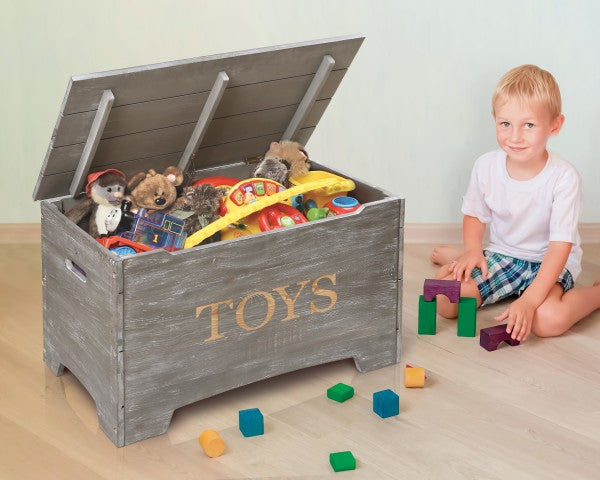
[527, 412]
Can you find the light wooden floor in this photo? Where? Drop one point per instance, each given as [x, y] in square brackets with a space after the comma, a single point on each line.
[530, 412]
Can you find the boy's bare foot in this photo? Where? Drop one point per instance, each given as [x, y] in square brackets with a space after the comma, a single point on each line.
[444, 254]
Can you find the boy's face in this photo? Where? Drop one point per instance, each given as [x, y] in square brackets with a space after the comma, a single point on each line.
[523, 129]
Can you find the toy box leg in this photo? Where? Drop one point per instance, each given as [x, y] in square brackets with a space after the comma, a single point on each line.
[146, 423]
[51, 359]
[427, 314]
[467, 314]
[369, 361]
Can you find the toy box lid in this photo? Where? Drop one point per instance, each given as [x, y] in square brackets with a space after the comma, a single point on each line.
[200, 112]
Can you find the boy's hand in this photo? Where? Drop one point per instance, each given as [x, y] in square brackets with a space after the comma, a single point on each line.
[520, 318]
[462, 267]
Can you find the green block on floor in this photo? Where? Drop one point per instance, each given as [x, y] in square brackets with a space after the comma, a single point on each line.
[340, 392]
[467, 314]
[427, 313]
[341, 461]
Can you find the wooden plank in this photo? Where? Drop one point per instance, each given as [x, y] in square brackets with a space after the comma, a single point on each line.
[294, 313]
[93, 139]
[310, 97]
[166, 112]
[208, 112]
[82, 319]
[174, 139]
[169, 79]
[53, 185]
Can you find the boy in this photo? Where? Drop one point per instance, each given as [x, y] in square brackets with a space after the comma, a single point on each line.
[532, 199]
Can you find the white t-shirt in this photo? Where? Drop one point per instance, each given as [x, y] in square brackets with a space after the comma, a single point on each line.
[525, 215]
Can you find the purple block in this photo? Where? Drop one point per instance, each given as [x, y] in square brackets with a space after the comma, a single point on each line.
[490, 338]
[450, 288]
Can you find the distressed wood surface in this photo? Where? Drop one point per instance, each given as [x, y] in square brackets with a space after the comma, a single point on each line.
[156, 106]
[83, 320]
[291, 299]
[91, 144]
[166, 112]
[310, 97]
[148, 82]
[206, 116]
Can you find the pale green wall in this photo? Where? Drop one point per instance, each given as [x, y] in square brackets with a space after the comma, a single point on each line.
[411, 115]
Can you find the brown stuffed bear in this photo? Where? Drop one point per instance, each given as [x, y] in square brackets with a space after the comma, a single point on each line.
[198, 206]
[283, 160]
[154, 191]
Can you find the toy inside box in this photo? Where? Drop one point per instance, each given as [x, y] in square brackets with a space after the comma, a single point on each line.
[151, 332]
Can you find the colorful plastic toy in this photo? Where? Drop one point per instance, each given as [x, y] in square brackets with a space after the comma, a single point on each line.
[414, 377]
[212, 443]
[342, 461]
[115, 242]
[340, 392]
[252, 195]
[386, 403]
[251, 422]
[342, 205]
[491, 337]
[279, 215]
[467, 315]
[427, 316]
[450, 288]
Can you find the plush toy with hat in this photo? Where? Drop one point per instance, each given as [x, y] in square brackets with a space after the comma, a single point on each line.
[283, 160]
[155, 191]
[104, 192]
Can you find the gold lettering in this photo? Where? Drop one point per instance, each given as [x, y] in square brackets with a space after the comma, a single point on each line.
[289, 301]
[332, 295]
[239, 313]
[214, 318]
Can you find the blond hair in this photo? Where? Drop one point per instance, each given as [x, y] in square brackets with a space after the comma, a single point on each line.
[529, 83]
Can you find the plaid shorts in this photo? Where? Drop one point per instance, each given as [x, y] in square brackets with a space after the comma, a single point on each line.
[510, 276]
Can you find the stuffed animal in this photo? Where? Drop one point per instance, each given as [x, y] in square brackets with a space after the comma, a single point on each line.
[104, 192]
[155, 191]
[198, 206]
[283, 160]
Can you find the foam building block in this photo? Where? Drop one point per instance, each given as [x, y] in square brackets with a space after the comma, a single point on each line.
[340, 392]
[467, 315]
[450, 288]
[491, 337]
[414, 377]
[427, 316]
[251, 422]
[386, 403]
[212, 443]
[341, 461]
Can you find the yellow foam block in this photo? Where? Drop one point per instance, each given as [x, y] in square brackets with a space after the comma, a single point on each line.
[212, 443]
[414, 377]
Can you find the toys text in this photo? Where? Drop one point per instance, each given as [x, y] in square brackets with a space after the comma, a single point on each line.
[288, 294]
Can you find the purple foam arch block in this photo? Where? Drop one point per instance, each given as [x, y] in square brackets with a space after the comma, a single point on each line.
[491, 337]
[450, 288]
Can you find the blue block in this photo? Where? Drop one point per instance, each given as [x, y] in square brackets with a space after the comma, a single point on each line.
[251, 422]
[386, 403]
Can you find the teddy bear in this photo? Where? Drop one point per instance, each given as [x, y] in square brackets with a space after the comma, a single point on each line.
[198, 206]
[104, 192]
[154, 191]
[283, 160]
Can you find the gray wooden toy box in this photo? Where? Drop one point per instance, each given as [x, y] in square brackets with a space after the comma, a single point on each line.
[149, 333]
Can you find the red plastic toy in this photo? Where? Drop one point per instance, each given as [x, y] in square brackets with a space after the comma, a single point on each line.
[279, 215]
[341, 205]
[115, 242]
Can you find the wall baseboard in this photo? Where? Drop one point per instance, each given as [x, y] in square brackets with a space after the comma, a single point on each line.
[451, 233]
[431, 233]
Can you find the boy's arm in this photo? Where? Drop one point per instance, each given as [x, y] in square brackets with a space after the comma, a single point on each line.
[473, 231]
[520, 312]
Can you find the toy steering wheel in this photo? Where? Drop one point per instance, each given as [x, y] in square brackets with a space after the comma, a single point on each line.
[279, 215]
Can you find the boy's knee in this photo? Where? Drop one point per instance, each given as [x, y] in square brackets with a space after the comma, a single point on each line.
[548, 320]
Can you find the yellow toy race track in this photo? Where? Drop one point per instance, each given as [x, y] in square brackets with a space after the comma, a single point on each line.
[320, 182]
